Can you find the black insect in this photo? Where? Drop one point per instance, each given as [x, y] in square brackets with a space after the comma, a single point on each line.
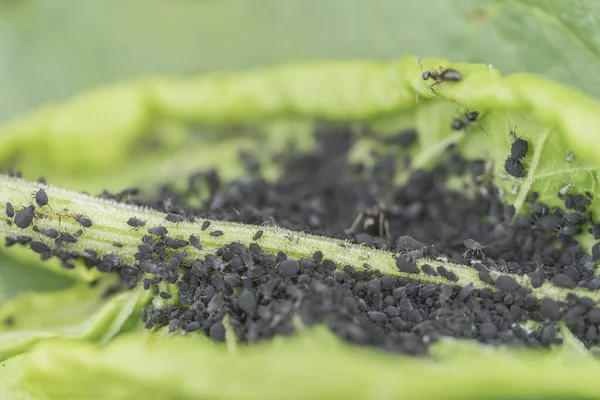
[39, 247]
[112, 260]
[24, 217]
[376, 217]
[257, 235]
[78, 233]
[117, 244]
[158, 231]
[205, 225]
[461, 123]
[175, 218]
[441, 75]
[474, 247]
[216, 233]
[41, 198]
[83, 221]
[519, 148]
[135, 222]
[10, 211]
[49, 232]
[195, 241]
[12, 240]
[65, 237]
[175, 243]
[514, 168]
[42, 180]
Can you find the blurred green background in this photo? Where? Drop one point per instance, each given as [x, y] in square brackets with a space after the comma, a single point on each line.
[52, 49]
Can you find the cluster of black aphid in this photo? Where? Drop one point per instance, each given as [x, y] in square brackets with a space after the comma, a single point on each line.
[264, 294]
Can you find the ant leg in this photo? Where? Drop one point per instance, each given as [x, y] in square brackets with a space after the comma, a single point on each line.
[432, 85]
[357, 220]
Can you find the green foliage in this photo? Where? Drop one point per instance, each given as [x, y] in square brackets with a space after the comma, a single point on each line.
[42, 63]
[554, 119]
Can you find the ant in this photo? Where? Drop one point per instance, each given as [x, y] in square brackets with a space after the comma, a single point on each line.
[439, 76]
[374, 216]
[459, 124]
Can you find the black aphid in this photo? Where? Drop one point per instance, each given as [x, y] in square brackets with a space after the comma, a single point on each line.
[507, 284]
[39, 247]
[407, 243]
[288, 268]
[407, 265]
[474, 247]
[441, 75]
[175, 243]
[563, 281]
[514, 168]
[49, 232]
[205, 225]
[117, 244]
[78, 232]
[405, 138]
[112, 260]
[135, 222]
[519, 148]
[11, 240]
[67, 237]
[195, 241]
[24, 217]
[158, 231]
[83, 221]
[10, 211]
[175, 218]
[41, 198]
[257, 235]
[216, 233]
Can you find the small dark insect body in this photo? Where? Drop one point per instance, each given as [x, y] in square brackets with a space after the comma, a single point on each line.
[474, 247]
[49, 232]
[514, 168]
[461, 123]
[83, 221]
[175, 218]
[41, 198]
[135, 222]
[158, 231]
[442, 75]
[24, 217]
[518, 150]
[10, 211]
[39, 247]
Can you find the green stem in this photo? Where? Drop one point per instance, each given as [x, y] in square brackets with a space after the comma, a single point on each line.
[109, 225]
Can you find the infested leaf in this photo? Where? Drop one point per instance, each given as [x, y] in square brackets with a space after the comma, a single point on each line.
[550, 117]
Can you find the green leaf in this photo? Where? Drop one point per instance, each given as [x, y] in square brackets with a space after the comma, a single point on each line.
[44, 64]
[133, 366]
[19, 275]
[75, 313]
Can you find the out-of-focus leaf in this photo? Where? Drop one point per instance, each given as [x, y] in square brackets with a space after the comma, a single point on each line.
[42, 63]
[311, 366]
[75, 313]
